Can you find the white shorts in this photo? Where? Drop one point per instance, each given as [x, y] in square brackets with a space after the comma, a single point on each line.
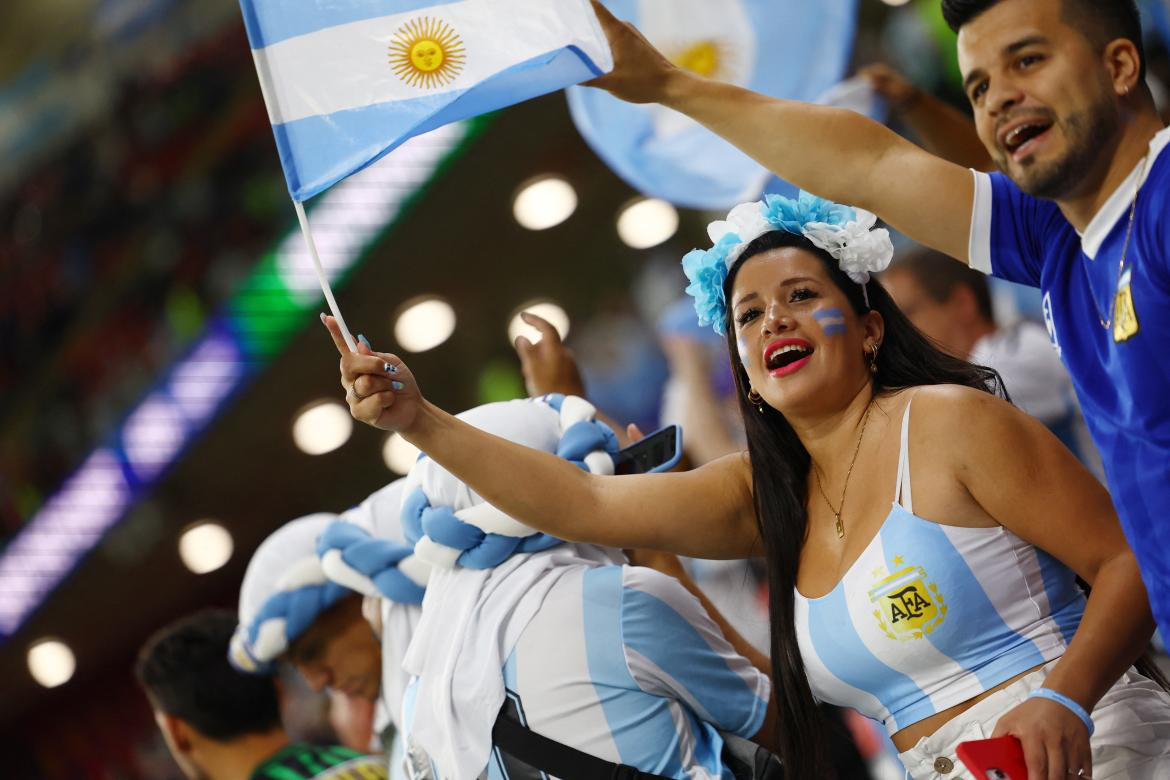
[1131, 740]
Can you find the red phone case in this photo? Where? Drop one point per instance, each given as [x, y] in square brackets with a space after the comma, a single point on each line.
[1001, 758]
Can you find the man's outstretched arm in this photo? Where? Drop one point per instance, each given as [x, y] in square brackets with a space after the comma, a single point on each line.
[835, 153]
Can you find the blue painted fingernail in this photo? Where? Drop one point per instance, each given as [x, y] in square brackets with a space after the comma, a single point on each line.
[390, 368]
[363, 340]
[397, 385]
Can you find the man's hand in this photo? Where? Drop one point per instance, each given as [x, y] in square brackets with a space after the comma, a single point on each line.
[640, 71]
[548, 365]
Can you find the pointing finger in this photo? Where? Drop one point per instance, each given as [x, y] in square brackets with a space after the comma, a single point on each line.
[335, 331]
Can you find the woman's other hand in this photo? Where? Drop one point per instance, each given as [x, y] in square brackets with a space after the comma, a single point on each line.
[1055, 741]
[379, 388]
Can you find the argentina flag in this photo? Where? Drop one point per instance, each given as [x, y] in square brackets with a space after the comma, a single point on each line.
[346, 81]
[795, 50]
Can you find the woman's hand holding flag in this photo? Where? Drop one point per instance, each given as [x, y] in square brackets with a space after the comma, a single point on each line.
[379, 388]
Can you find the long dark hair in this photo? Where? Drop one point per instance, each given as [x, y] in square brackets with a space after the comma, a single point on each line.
[780, 466]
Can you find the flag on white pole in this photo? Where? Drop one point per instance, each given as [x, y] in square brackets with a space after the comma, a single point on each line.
[346, 81]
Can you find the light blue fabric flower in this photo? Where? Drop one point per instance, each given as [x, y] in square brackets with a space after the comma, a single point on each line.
[792, 215]
[707, 270]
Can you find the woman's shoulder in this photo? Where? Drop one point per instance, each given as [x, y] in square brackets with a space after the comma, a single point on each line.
[956, 416]
[953, 401]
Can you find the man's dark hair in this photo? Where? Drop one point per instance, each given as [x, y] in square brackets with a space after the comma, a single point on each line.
[185, 672]
[939, 275]
[1100, 21]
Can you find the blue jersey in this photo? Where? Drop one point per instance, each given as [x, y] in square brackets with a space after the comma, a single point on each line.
[1121, 374]
[624, 663]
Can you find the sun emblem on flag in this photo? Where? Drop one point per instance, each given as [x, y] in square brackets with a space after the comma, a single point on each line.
[705, 58]
[427, 53]
[711, 58]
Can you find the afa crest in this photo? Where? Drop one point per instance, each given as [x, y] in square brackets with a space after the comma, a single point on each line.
[906, 605]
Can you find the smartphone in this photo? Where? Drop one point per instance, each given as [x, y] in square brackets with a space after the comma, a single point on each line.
[659, 451]
[1001, 758]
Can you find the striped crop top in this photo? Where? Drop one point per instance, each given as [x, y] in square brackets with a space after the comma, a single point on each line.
[933, 615]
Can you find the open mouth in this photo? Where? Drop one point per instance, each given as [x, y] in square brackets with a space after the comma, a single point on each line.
[1022, 139]
[784, 357]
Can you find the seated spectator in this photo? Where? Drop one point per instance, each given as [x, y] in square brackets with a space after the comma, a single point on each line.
[619, 662]
[220, 724]
[291, 610]
[951, 304]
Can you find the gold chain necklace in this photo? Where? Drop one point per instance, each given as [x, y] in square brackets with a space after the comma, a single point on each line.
[821, 478]
[1108, 323]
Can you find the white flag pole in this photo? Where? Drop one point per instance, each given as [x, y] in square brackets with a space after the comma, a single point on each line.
[325, 288]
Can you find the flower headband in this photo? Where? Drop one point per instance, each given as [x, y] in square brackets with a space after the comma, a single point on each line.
[846, 233]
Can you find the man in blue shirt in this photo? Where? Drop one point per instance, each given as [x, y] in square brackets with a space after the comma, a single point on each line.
[1079, 208]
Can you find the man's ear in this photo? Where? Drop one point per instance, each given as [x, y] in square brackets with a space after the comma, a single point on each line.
[178, 731]
[1124, 64]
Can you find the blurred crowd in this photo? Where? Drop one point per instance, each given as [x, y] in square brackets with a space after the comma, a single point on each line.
[117, 252]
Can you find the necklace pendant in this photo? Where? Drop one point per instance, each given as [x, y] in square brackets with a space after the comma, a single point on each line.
[840, 528]
[1125, 319]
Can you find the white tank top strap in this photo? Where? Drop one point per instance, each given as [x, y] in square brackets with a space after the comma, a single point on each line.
[902, 492]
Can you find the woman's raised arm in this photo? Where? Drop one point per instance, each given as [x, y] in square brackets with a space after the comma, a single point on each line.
[705, 513]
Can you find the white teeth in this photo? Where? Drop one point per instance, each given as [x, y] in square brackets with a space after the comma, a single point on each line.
[1013, 135]
[788, 348]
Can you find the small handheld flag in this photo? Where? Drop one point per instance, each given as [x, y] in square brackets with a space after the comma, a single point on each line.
[346, 81]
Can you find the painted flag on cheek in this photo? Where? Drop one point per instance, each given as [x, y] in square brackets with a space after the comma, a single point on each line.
[791, 49]
[346, 81]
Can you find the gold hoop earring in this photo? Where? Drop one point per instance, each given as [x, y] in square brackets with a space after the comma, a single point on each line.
[756, 400]
[873, 366]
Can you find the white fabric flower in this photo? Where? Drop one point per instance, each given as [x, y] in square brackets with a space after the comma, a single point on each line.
[858, 248]
[747, 221]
